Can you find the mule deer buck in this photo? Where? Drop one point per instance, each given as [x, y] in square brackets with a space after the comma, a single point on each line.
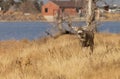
[85, 36]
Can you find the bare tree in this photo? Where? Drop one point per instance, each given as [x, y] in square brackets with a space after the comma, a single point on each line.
[91, 14]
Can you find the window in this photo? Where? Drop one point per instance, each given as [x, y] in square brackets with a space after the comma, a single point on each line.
[46, 10]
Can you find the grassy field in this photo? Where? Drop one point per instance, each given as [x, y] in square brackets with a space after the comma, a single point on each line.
[60, 58]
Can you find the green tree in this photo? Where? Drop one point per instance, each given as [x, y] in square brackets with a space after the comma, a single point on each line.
[30, 8]
[41, 4]
[5, 6]
[36, 4]
[10, 2]
[22, 1]
[1, 2]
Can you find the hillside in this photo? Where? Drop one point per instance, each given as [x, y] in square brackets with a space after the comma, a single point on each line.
[60, 58]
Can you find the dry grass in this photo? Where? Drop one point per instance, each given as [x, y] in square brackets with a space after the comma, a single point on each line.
[60, 58]
[113, 16]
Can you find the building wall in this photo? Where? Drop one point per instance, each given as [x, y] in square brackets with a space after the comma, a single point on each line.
[70, 11]
[49, 9]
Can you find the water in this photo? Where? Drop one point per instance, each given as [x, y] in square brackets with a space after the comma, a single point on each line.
[111, 27]
[22, 30]
[34, 30]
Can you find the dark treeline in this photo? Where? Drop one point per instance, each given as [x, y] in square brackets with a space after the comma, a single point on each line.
[31, 6]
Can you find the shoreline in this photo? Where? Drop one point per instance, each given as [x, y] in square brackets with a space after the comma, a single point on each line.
[53, 21]
[45, 37]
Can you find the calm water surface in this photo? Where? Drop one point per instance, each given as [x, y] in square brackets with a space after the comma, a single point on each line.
[34, 30]
[112, 27]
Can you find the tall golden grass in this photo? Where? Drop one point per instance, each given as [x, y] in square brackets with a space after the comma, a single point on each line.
[112, 16]
[60, 58]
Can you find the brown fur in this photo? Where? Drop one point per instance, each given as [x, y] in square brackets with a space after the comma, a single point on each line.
[86, 37]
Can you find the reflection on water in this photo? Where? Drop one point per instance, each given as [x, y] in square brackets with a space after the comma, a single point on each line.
[34, 30]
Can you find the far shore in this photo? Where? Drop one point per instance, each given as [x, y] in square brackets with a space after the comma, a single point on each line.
[12, 16]
[105, 20]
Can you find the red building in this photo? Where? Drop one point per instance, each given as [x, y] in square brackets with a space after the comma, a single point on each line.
[69, 7]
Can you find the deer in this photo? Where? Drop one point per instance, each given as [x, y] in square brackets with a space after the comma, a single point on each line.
[85, 36]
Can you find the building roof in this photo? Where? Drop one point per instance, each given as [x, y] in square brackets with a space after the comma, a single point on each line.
[69, 4]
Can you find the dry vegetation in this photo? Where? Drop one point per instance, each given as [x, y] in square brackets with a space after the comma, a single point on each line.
[12, 16]
[60, 58]
[112, 16]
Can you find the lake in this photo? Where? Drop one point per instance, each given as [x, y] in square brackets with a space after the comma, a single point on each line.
[35, 30]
